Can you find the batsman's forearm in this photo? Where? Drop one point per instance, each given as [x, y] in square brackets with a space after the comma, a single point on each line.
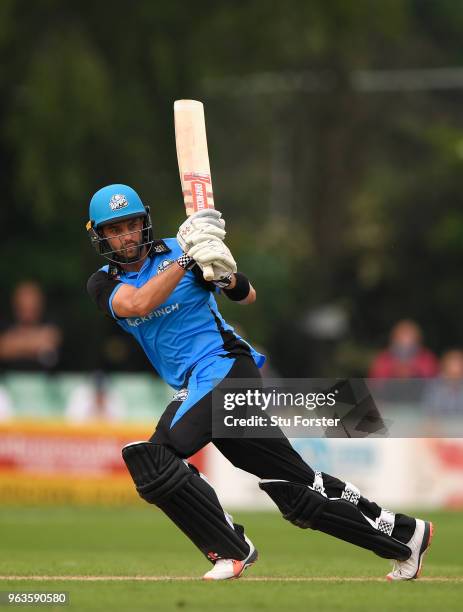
[157, 290]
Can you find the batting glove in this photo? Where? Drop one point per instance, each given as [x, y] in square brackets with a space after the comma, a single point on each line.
[202, 225]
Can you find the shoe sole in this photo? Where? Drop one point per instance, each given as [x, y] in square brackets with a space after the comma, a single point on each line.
[427, 539]
[252, 559]
[249, 561]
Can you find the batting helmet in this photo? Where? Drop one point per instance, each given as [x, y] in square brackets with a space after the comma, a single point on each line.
[111, 204]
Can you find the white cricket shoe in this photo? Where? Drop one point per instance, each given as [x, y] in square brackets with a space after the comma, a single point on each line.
[419, 544]
[224, 569]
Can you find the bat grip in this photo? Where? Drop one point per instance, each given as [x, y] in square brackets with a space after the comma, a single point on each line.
[208, 273]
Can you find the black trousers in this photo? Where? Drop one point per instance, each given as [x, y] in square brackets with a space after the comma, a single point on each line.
[272, 458]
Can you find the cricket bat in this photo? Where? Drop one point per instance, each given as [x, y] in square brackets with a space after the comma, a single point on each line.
[193, 160]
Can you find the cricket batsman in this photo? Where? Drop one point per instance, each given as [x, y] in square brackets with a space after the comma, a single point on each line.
[154, 289]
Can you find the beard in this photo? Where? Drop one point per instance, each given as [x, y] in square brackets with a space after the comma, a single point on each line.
[126, 248]
[130, 252]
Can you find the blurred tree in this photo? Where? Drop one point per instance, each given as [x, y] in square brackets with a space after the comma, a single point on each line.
[332, 195]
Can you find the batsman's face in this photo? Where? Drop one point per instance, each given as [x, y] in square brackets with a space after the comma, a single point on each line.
[125, 237]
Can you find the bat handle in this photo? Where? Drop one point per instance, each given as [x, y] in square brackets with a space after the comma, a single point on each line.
[208, 273]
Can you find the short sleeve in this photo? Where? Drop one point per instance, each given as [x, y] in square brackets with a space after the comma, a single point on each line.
[101, 287]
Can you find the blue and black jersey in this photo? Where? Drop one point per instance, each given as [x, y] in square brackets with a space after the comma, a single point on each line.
[183, 331]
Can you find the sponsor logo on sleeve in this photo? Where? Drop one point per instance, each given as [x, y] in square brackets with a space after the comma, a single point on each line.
[164, 265]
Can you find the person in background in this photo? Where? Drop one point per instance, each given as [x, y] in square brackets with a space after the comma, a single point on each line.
[405, 357]
[444, 395]
[94, 401]
[29, 342]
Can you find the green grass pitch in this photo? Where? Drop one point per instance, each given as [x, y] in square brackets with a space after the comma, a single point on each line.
[297, 570]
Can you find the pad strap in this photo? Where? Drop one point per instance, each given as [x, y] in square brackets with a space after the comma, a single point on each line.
[318, 483]
[351, 493]
[385, 522]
